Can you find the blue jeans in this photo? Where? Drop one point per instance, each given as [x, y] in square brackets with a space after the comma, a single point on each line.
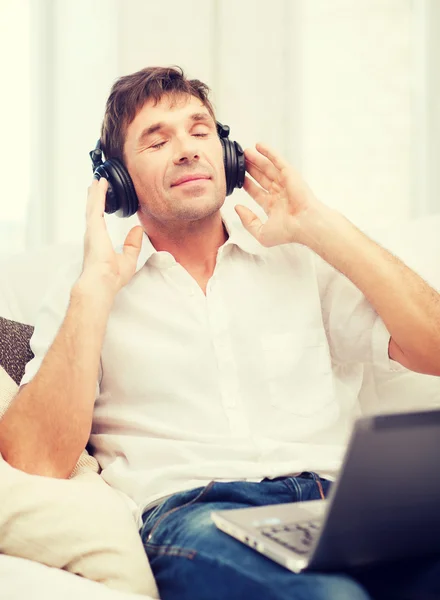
[192, 560]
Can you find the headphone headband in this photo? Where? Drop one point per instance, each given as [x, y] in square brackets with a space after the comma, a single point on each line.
[96, 156]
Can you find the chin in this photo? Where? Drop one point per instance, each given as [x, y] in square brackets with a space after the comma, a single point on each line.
[200, 209]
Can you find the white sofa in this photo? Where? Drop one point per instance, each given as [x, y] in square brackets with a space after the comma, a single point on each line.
[23, 282]
[22, 579]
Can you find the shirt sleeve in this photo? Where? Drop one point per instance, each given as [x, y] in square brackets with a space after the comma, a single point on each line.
[49, 318]
[355, 332]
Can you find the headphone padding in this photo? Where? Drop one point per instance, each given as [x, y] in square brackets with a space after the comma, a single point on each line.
[126, 201]
[229, 168]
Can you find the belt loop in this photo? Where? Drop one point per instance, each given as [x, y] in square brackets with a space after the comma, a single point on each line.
[316, 479]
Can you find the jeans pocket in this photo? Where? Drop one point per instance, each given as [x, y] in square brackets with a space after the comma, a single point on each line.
[170, 506]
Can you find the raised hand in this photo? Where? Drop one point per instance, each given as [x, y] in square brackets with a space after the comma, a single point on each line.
[282, 193]
[101, 262]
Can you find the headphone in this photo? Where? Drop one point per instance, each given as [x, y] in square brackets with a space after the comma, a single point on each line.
[121, 196]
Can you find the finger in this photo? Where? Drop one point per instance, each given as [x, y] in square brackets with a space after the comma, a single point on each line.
[256, 159]
[255, 191]
[258, 175]
[276, 188]
[133, 242]
[96, 198]
[275, 158]
[250, 221]
[91, 190]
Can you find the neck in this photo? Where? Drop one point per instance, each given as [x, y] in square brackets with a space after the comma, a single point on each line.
[194, 244]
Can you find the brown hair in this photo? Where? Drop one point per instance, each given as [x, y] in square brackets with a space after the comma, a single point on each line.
[129, 94]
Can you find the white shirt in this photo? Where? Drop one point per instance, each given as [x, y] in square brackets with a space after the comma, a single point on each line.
[259, 378]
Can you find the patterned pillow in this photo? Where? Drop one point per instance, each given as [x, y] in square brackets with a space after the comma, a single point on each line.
[15, 351]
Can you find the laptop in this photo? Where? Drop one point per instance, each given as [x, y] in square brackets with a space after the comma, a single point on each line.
[385, 505]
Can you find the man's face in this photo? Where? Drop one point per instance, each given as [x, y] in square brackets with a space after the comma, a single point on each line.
[175, 159]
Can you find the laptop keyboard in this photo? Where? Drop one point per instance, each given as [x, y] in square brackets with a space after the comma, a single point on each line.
[298, 537]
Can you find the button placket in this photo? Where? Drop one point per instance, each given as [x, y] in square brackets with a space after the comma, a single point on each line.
[229, 384]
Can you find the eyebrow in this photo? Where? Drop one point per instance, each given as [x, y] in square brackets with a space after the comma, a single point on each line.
[195, 117]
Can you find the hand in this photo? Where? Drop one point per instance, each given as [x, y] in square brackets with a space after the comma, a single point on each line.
[284, 196]
[100, 259]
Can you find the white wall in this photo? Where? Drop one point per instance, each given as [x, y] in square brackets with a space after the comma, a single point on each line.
[328, 84]
[334, 86]
[356, 90]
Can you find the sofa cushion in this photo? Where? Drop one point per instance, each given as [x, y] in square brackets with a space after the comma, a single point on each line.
[23, 579]
[81, 525]
[26, 277]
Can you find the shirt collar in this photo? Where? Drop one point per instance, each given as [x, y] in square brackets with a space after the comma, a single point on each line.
[238, 236]
[147, 251]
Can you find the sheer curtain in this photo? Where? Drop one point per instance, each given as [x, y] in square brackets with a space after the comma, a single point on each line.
[347, 91]
[15, 153]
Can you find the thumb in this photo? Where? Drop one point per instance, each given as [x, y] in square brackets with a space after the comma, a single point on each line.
[133, 242]
[250, 220]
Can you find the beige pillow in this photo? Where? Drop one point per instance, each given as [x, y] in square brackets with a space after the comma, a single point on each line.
[81, 524]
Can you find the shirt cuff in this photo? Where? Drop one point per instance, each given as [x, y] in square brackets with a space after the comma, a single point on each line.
[30, 371]
[380, 341]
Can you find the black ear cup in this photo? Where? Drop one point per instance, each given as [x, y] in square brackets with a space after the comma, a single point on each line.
[233, 157]
[121, 196]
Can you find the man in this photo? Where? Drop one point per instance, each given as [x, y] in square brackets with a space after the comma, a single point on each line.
[212, 342]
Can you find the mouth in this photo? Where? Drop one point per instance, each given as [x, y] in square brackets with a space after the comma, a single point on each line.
[190, 180]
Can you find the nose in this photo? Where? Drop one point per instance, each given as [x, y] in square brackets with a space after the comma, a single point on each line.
[186, 150]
